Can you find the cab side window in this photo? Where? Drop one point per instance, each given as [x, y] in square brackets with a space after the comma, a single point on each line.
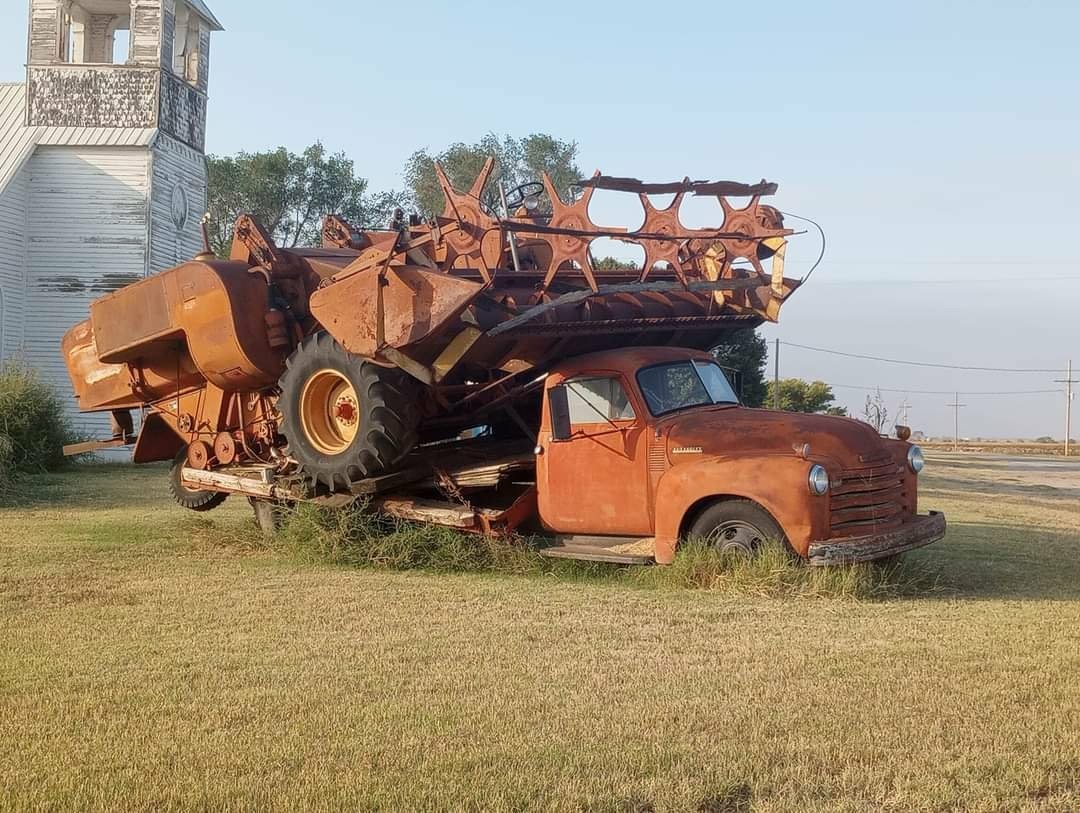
[598, 400]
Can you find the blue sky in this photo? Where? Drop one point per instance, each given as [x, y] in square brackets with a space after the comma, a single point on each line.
[937, 143]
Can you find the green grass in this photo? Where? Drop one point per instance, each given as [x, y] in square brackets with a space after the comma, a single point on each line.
[155, 659]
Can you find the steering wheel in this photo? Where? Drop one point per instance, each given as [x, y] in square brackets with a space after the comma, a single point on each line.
[516, 196]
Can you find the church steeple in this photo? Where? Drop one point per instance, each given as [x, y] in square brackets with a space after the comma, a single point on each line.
[120, 64]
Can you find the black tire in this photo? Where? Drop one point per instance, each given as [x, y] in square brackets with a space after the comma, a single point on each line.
[739, 526]
[191, 498]
[387, 420]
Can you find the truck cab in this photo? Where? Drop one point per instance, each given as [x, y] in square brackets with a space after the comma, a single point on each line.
[651, 443]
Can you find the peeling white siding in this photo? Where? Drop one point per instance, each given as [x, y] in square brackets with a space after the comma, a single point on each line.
[87, 236]
[177, 204]
[13, 244]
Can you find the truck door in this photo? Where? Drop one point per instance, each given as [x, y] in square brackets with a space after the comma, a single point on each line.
[596, 481]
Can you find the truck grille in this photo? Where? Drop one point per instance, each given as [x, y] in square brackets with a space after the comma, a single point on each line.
[869, 500]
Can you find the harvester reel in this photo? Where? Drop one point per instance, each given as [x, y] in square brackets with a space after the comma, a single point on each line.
[758, 223]
[476, 235]
[569, 247]
[663, 222]
[345, 418]
[468, 234]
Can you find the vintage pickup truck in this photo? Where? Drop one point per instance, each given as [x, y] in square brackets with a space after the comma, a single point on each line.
[652, 443]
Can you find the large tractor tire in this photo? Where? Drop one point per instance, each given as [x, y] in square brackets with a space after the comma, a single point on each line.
[344, 418]
[193, 499]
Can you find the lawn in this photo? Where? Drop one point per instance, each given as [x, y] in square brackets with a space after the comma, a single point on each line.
[151, 659]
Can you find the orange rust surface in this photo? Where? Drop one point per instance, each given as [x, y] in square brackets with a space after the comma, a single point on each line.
[417, 303]
[604, 481]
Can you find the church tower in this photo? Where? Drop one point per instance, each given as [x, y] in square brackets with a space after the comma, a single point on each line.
[103, 175]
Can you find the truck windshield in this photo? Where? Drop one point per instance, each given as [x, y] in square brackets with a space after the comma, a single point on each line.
[684, 384]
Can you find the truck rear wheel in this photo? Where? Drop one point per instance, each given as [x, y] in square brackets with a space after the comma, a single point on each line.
[737, 526]
[193, 499]
[344, 418]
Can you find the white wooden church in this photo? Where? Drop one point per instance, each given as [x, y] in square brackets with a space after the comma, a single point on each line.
[102, 164]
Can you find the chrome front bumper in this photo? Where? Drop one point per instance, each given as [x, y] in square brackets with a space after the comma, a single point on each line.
[920, 531]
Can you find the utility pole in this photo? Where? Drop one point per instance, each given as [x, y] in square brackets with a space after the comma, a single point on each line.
[956, 405]
[776, 376]
[1068, 381]
[902, 418]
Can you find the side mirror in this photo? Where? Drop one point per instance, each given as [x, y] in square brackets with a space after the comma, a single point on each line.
[559, 410]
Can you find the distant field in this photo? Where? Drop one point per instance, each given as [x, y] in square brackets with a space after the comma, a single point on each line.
[1004, 447]
[146, 663]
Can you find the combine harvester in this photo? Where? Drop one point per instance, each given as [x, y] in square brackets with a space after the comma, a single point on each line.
[479, 372]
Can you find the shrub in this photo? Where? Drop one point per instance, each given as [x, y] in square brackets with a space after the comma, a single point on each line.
[33, 427]
[6, 464]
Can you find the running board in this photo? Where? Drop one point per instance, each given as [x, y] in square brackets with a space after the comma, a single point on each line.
[619, 550]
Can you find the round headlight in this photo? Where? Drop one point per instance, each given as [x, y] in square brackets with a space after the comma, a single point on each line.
[915, 459]
[819, 480]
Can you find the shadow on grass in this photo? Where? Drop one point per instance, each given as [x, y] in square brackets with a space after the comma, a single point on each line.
[85, 485]
[981, 560]
[995, 488]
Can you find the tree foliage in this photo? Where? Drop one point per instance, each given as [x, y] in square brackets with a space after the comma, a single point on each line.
[290, 194]
[745, 352]
[517, 161]
[615, 264]
[797, 395]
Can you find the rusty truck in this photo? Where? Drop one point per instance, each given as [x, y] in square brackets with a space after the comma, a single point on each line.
[482, 371]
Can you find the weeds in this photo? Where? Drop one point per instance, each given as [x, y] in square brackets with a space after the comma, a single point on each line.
[774, 571]
[357, 538]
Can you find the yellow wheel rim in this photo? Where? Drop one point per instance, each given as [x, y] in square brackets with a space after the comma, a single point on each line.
[329, 412]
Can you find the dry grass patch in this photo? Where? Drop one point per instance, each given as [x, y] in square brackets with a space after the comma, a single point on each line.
[145, 664]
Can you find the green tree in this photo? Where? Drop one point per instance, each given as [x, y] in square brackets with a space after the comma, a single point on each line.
[290, 194]
[797, 395]
[745, 352]
[517, 161]
[615, 264]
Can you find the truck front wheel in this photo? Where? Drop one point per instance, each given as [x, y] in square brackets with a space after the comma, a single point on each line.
[737, 526]
[344, 418]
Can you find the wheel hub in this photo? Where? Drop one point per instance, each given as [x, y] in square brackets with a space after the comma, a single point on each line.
[736, 536]
[329, 411]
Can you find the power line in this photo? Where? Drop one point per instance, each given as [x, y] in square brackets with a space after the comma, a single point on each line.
[1025, 261]
[922, 363]
[955, 281]
[906, 390]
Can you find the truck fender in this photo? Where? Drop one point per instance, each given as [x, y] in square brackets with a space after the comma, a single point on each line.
[778, 483]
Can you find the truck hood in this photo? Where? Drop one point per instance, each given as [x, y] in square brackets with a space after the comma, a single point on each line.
[731, 430]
